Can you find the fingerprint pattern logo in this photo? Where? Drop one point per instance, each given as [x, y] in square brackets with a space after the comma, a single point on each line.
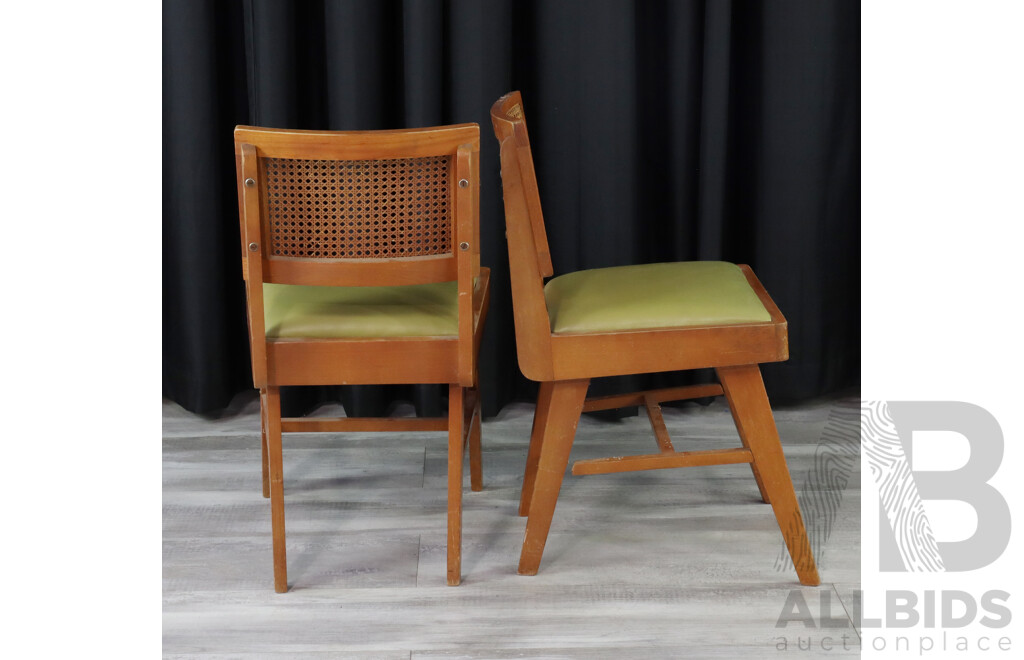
[835, 459]
[897, 491]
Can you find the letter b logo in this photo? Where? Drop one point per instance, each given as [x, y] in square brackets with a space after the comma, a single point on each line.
[905, 534]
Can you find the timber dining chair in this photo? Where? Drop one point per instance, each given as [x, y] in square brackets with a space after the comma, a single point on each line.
[361, 258]
[632, 320]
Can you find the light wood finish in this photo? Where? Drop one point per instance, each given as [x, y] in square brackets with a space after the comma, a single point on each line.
[749, 402]
[564, 363]
[358, 145]
[741, 428]
[476, 472]
[276, 461]
[563, 417]
[612, 401]
[250, 214]
[362, 424]
[364, 208]
[648, 565]
[658, 424]
[671, 459]
[540, 422]
[456, 414]
[263, 443]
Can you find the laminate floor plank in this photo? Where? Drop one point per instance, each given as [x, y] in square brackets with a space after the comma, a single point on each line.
[657, 564]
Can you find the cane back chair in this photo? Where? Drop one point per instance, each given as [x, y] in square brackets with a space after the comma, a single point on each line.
[361, 257]
[631, 320]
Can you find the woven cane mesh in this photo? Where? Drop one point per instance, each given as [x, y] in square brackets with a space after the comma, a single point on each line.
[515, 112]
[357, 209]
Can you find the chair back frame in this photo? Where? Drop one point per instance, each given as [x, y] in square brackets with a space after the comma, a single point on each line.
[544, 355]
[529, 255]
[459, 260]
[565, 363]
[509, 119]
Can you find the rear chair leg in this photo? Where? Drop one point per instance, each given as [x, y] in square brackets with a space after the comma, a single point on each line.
[455, 456]
[476, 472]
[276, 469]
[563, 416]
[748, 400]
[753, 466]
[263, 443]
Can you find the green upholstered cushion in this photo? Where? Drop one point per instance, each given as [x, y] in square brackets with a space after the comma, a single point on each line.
[420, 310]
[647, 296]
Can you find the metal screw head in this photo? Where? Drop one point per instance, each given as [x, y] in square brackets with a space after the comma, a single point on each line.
[463, 246]
[253, 247]
[250, 182]
[463, 183]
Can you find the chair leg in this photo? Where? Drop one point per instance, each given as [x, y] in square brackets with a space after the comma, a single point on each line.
[455, 456]
[540, 419]
[753, 467]
[263, 443]
[276, 469]
[476, 472]
[748, 400]
[563, 416]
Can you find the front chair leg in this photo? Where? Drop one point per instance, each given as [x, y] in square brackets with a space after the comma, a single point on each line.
[455, 455]
[563, 416]
[540, 420]
[748, 400]
[276, 479]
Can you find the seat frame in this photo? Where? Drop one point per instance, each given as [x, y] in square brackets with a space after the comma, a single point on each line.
[344, 361]
[564, 363]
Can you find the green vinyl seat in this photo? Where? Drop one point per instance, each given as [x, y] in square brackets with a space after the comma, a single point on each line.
[649, 296]
[324, 312]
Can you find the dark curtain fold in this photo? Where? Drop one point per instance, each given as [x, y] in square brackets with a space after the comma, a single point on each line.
[663, 130]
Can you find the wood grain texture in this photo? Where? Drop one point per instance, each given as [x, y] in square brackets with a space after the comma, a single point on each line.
[658, 424]
[476, 469]
[661, 461]
[363, 208]
[612, 401]
[357, 145]
[385, 424]
[276, 460]
[657, 564]
[456, 445]
[540, 422]
[745, 391]
[570, 359]
[556, 444]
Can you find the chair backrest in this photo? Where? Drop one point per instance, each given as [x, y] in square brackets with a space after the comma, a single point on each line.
[529, 257]
[350, 208]
[509, 119]
[359, 208]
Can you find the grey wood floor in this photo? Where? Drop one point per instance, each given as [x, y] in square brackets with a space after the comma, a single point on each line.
[659, 564]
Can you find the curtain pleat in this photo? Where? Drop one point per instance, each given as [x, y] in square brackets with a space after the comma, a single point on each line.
[662, 131]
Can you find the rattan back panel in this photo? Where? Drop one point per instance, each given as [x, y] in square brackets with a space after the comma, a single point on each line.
[357, 209]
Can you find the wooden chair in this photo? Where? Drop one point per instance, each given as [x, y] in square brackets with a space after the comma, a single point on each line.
[361, 256]
[632, 320]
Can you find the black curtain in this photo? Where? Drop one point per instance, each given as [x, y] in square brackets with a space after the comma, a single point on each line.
[663, 130]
